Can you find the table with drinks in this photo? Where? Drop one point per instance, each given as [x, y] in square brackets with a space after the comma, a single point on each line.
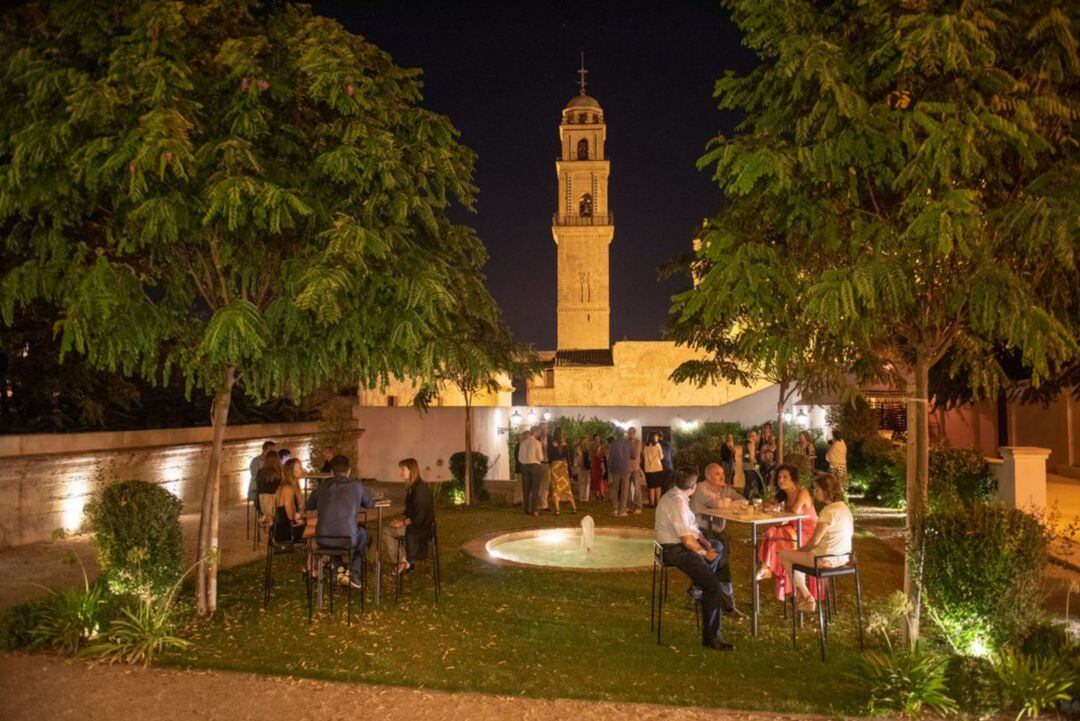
[754, 515]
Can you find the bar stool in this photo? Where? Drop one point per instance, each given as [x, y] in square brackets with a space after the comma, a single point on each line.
[274, 548]
[322, 556]
[825, 577]
[436, 570]
[660, 592]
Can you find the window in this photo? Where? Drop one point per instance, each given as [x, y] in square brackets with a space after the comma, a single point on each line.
[549, 378]
[581, 117]
[583, 149]
[391, 401]
[586, 288]
[585, 206]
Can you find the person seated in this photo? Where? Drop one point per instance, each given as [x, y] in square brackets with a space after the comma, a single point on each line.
[792, 499]
[338, 500]
[831, 537]
[289, 520]
[415, 525]
[267, 481]
[685, 548]
[709, 495]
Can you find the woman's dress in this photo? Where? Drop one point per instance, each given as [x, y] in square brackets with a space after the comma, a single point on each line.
[784, 538]
[596, 473]
[560, 475]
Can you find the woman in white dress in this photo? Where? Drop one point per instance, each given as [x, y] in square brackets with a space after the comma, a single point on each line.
[832, 537]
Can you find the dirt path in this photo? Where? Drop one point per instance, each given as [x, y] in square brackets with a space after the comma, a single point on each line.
[47, 687]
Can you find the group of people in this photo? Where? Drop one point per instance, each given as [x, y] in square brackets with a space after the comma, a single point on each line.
[759, 454]
[682, 530]
[338, 499]
[615, 469]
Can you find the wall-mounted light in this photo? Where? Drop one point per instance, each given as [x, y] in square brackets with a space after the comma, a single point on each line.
[515, 419]
[685, 425]
[531, 418]
[787, 416]
[802, 419]
[547, 416]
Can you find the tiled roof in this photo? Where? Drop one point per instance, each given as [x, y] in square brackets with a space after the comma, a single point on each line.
[583, 358]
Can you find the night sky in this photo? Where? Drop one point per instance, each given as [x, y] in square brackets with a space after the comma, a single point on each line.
[503, 71]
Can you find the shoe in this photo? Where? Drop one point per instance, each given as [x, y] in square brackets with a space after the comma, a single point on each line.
[763, 574]
[694, 592]
[736, 614]
[718, 645]
[807, 606]
[555, 513]
[637, 511]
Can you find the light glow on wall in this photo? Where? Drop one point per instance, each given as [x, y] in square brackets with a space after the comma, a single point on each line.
[73, 504]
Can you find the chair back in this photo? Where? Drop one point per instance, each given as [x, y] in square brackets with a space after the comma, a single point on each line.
[657, 553]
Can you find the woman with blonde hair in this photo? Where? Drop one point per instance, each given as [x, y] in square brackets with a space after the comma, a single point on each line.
[415, 525]
[831, 540]
[288, 501]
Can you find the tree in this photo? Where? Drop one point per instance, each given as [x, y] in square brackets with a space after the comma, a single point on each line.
[249, 194]
[476, 357]
[926, 152]
[744, 311]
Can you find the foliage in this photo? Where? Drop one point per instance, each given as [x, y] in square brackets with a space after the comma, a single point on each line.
[136, 527]
[983, 572]
[858, 424]
[143, 630]
[480, 467]
[972, 683]
[1032, 684]
[960, 474]
[916, 163]
[885, 466]
[698, 447]
[575, 428]
[336, 429]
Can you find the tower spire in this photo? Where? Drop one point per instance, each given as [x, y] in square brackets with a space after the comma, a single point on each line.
[582, 72]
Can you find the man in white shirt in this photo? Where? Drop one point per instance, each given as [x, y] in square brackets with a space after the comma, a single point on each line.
[530, 456]
[709, 494]
[688, 550]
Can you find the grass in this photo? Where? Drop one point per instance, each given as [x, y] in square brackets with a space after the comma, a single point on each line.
[542, 633]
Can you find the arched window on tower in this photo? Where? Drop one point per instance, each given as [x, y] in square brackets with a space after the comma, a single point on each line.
[585, 206]
[583, 149]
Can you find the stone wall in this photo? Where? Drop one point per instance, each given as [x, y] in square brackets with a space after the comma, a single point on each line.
[47, 479]
[639, 377]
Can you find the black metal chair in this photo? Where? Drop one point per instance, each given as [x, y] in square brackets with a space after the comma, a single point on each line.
[825, 577]
[433, 557]
[323, 550]
[274, 548]
[660, 583]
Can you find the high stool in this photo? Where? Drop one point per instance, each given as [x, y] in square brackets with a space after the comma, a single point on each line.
[321, 557]
[436, 570]
[660, 592]
[274, 548]
[825, 577]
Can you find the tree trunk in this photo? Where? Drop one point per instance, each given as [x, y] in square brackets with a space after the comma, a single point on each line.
[780, 423]
[206, 575]
[468, 450]
[918, 477]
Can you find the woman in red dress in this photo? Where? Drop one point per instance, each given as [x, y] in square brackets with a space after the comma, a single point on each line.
[596, 469]
[795, 500]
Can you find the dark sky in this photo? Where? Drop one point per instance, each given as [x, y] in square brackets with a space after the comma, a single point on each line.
[503, 71]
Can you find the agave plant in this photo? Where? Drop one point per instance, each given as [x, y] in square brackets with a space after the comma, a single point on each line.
[1032, 684]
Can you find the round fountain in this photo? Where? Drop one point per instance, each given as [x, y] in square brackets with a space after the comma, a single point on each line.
[583, 548]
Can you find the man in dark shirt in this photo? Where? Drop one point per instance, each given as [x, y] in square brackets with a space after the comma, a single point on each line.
[338, 500]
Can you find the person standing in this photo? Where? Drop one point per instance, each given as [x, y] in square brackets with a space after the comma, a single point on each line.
[596, 468]
[581, 468]
[545, 469]
[836, 458]
[766, 453]
[618, 460]
[637, 477]
[328, 454]
[685, 548]
[808, 448]
[653, 457]
[751, 472]
[253, 467]
[559, 453]
[415, 525]
[530, 455]
[727, 457]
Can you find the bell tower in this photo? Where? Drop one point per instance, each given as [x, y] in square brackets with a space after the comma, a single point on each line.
[583, 226]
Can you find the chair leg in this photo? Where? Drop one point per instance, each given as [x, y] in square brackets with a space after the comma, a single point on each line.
[660, 607]
[307, 587]
[348, 593]
[247, 519]
[793, 615]
[858, 608]
[267, 580]
[652, 601]
[363, 584]
[398, 577]
[331, 580]
[821, 629]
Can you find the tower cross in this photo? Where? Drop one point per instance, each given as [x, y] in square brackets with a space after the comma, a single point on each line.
[582, 72]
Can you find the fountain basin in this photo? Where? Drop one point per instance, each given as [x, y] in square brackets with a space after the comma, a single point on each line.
[614, 549]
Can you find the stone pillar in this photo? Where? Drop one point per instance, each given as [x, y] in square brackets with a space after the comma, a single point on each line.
[1022, 477]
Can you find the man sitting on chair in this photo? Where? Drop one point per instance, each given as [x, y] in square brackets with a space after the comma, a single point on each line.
[338, 500]
[710, 494]
[688, 550]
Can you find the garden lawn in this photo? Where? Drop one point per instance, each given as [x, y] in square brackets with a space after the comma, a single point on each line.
[543, 633]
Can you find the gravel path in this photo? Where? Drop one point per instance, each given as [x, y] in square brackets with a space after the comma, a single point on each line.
[48, 687]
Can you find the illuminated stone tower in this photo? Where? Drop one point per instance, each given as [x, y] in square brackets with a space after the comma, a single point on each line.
[583, 226]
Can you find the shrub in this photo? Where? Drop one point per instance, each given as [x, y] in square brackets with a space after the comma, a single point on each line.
[972, 684]
[1032, 684]
[336, 429]
[480, 467]
[574, 428]
[910, 683]
[858, 422]
[700, 446]
[137, 528]
[983, 570]
[960, 474]
[885, 466]
[143, 630]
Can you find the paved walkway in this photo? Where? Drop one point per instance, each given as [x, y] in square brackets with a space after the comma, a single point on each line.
[47, 687]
